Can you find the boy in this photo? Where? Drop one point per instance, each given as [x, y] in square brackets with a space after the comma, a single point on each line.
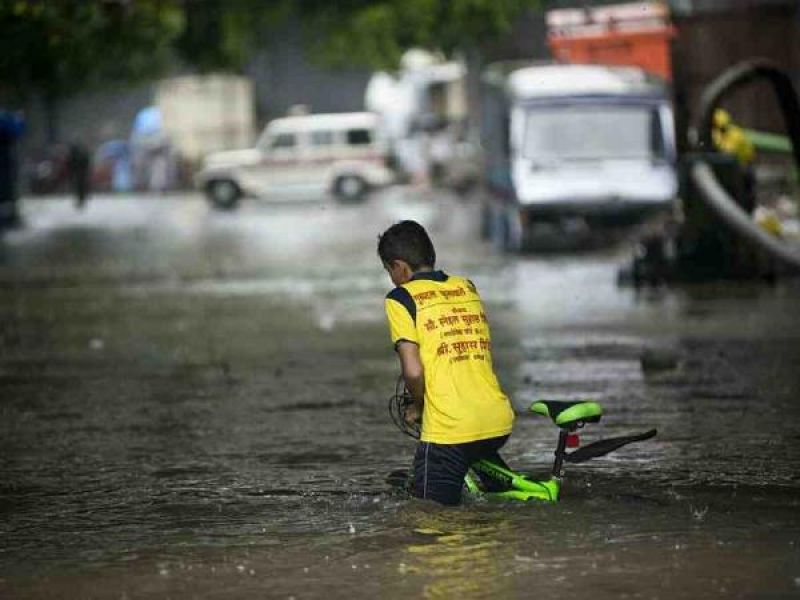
[441, 336]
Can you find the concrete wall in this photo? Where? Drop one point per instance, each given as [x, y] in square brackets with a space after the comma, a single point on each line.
[284, 76]
[93, 116]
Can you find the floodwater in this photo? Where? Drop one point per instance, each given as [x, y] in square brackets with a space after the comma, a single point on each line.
[193, 405]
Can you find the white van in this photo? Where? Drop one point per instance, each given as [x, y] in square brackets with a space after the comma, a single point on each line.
[301, 157]
[565, 142]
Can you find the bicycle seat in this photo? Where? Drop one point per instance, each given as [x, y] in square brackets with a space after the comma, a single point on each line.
[567, 414]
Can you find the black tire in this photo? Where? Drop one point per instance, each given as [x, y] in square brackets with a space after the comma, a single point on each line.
[223, 194]
[350, 188]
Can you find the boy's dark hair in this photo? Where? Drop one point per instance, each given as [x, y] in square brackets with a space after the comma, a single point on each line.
[407, 241]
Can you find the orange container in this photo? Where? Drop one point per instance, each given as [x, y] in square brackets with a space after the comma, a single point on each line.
[645, 48]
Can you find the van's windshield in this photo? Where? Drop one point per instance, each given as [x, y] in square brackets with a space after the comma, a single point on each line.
[585, 132]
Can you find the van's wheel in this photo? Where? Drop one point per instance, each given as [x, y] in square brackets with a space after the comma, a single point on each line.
[223, 194]
[350, 187]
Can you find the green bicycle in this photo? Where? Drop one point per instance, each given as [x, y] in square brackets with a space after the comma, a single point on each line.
[568, 416]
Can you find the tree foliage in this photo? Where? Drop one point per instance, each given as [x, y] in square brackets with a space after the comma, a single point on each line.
[224, 34]
[375, 33]
[55, 48]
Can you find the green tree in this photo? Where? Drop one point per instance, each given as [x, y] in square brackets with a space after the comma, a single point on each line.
[224, 34]
[53, 49]
[376, 33]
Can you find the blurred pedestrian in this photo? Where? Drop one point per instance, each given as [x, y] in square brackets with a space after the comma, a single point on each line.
[79, 164]
[12, 126]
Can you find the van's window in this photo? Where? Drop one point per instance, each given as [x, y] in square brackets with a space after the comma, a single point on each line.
[321, 138]
[592, 132]
[359, 137]
[283, 141]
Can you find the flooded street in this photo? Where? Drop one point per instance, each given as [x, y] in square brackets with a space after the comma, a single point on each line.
[194, 404]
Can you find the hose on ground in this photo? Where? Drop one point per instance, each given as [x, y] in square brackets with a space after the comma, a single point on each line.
[732, 214]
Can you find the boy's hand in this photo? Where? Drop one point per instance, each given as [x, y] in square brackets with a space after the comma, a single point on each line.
[412, 414]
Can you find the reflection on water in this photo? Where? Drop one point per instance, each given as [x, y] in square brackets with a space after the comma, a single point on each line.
[193, 404]
[456, 556]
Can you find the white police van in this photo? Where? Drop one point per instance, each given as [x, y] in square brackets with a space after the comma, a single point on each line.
[301, 157]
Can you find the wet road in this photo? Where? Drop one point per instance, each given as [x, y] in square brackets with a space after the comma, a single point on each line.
[193, 404]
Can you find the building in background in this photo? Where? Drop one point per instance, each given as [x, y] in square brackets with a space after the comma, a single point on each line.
[207, 114]
[284, 76]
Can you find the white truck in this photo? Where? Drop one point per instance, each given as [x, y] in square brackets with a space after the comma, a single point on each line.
[573, 142]
[301, 157]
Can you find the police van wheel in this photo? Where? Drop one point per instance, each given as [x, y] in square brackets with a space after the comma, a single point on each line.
[223, 194]
[350, 187]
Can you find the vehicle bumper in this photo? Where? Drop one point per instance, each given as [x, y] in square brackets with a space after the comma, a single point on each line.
[615, 207]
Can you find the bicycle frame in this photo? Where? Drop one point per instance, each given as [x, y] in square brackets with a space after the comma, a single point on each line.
[522, 487]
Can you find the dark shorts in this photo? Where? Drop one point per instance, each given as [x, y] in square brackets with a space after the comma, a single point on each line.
[439, 469]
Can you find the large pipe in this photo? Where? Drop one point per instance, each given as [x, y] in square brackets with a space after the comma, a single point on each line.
[703, 176]
[732, 214]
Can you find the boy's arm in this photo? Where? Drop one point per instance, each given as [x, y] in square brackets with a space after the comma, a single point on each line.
[413, 374]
